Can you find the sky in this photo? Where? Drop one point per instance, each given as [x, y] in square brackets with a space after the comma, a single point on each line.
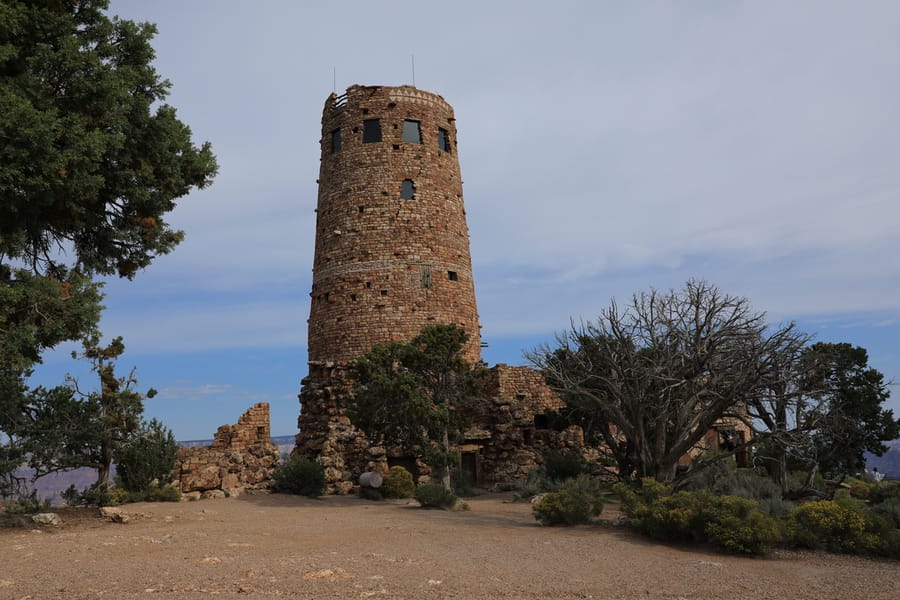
[606, 148]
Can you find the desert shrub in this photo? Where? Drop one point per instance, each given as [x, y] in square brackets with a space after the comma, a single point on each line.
[160, 493]
[536, 483]
[860, 489]
[776, 507]
[398, 483]
[13, 511]
[725, 479]
[891, 509]
[434, 495]
[825, 524]
[559, 466]
[737, 525]
[97, 494]
[370, 493]
[148, 457]
[119, 495]
[566, 507]
[299, 476]
[880, 492]
[730, 523]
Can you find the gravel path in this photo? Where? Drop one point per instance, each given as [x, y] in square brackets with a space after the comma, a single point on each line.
[265, 546]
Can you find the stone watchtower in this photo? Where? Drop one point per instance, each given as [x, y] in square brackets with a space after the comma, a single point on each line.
[392, 250]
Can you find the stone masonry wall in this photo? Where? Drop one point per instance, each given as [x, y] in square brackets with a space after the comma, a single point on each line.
[241, 457]
[386, 266]
[516, 420]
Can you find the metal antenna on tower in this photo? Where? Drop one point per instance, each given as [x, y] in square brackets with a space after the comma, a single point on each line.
[334, 79]
[413, 62]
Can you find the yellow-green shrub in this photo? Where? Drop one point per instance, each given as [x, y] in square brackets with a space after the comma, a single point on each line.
[398, 483]
[731, 523]
[566, 507]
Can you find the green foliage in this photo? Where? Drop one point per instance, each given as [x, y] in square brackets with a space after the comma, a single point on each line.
[568, 506]
[90, 157]
[891, 509]
[147, 457]
[854, 421]
[97, 494]
[564, 465]
[370, 493]
[861, 489]
[398, 483]
[16, 512]
[36, 313]
[731, 523]
[724, 478]
[434, 495]
[826, 524]
[299, 476]
[415, 395]
[73, 428]
[883, 491]
[91, 162]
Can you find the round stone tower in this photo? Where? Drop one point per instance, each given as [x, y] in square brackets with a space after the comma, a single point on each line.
[391, 257]
[392, 245]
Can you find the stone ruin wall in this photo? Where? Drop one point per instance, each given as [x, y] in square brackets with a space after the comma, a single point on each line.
[504, 438]
[241, 457]
[516, 420]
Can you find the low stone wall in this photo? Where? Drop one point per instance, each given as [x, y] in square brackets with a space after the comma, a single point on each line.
[242, 457]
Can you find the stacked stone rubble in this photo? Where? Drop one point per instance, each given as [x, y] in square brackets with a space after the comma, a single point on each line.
[241, 457]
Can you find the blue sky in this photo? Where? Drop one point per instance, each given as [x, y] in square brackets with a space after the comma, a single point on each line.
[606, 148]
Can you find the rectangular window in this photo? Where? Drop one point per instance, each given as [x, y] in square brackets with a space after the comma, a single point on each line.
[412, 134]
[452, 276]
[443, 139]
[335, 141]
[426, 277]
[408, 189]
[371, 131]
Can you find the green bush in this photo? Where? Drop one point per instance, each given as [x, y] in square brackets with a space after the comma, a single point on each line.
[844, 526]
[725, 479]
[880, 492]
[148, 457]
[891, 509]
[559, 466]
[435, 495]
[861, 489]
[96, 495]
[398, 483]
[825, 524]
[566, 507]
[730, 523]
[299, 476]
[370, 493]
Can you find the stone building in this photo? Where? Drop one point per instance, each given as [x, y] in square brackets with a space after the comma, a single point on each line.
[392, 256]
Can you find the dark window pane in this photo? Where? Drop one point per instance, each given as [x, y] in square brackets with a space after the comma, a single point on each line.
[335, 141]
[371, 131]
[408, 189]
[443, 139]
[411, 132]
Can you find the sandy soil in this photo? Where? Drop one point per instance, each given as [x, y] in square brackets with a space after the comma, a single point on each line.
[265, 546]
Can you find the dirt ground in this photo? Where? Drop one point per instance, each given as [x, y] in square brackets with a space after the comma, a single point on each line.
[264, 546]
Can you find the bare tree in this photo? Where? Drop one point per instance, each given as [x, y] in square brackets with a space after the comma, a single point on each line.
[661, 372]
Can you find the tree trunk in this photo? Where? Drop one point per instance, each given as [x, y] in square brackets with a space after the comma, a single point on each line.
[445, 442]
[105, 464]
